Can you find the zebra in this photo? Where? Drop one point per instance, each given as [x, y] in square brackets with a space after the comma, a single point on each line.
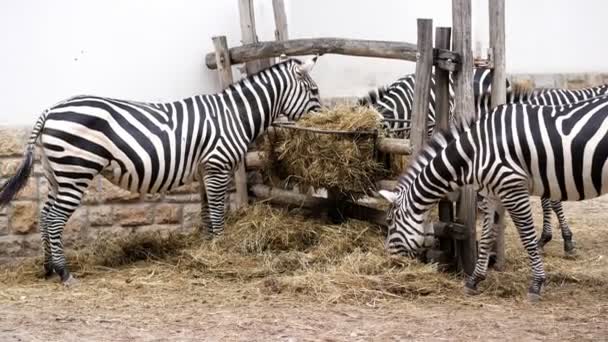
[395, 101]
[155, 147]
[510, 153]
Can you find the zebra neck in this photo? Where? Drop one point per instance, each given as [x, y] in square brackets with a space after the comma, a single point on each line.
[444, 173]
[253, 103]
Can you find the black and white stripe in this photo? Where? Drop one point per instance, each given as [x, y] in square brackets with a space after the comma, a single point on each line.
[155, 147]
[515, 151]
[396, 102]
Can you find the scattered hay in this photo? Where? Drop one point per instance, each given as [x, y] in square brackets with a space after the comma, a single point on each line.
[346, 164]
[109, 252]
[267, 251]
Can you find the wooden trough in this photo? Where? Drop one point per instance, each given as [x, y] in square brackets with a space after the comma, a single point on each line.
[452, 52]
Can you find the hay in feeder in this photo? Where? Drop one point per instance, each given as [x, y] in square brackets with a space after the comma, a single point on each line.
[343, 161]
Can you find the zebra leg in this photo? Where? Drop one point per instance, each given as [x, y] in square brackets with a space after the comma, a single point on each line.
[488, 238]
[564, 227]
[205, 218]
[547, 234]
[517, 203]
[67, 200]
[216, 182]
[44, 235]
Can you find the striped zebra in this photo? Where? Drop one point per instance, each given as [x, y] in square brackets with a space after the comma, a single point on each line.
[396, 102]
[509, 154]
[155, 147]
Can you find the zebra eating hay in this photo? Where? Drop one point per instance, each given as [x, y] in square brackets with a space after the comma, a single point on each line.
[155, 147]
[395, 101]
[515, 151]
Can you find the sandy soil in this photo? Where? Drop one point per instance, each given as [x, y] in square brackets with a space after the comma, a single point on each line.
[142, 303]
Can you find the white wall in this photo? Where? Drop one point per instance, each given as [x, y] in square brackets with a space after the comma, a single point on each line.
[152, 50]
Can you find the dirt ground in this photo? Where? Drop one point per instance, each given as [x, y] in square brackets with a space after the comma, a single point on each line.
[146, 302]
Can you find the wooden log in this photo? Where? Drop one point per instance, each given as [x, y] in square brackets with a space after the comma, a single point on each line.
[422, 88]
[249, 35]
[442, 113]
[292, 198]
[464, 110]
[450, 230]
[499, 96]
[286, 197]
[255, 160]
[224, 72]
[442, 82]
[302, 47]
[339, 46]
[280, 20]
[394, 146]
[386, 184]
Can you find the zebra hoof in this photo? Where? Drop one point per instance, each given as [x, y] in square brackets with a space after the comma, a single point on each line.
[570, 254]
[214, 235]
[544, 239]
[70, 281]
[535, 289]
[48, 272]
[569, 250]
[469, 291]
[534, 297]
[470, 287]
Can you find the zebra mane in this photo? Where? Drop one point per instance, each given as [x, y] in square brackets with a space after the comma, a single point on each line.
[520, 91]
[373, 96]
[439, 141]
[241, 82]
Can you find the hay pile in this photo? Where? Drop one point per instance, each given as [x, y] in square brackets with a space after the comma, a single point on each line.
[269, 252]
[346, 164]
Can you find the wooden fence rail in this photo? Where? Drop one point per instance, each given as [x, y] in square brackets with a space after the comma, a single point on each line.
[353, 47]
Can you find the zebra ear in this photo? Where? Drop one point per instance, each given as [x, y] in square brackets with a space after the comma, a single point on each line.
[388, 195]
[307, 66]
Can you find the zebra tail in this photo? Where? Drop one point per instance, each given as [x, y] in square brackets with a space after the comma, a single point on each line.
[9, 189]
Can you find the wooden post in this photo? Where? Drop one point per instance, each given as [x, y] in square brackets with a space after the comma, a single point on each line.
[424, 69]
[280, 20]
[464, 109]
[499, 96]
[249, 35]
[442, 117]
[224, 72]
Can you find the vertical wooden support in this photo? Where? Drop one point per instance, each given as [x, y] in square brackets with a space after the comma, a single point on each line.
[442, 117]
[280, 20]
[442, 81]
[499, 96]
[464, 109]
[224, 71]
[424, 69]
[249, 35]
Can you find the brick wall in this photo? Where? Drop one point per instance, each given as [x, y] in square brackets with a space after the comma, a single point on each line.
[105, 208]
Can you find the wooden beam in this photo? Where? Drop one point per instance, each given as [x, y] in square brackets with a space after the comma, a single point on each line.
[422, 88]
[280, 20]
[499, 96]
[224, 72]
[464, 110]
[442, 113]
[302, 47]
[442, 82]
[249, 35]
[292, 198]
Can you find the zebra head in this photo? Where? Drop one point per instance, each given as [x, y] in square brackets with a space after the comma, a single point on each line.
[407, 231]
[303, 95]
